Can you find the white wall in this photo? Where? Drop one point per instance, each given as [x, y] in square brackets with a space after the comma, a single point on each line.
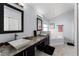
[46, 21]
[30, 16]
[67, 20]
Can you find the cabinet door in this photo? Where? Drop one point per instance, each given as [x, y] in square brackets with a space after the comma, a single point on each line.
[31, 51]
[22, 53]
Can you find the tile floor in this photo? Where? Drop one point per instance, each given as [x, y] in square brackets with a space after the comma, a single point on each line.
[60, 50]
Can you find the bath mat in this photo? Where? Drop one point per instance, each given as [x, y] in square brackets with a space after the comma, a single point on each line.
[46, 49]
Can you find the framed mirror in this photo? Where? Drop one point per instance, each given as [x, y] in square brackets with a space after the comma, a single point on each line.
[12, 19]
[39, 24]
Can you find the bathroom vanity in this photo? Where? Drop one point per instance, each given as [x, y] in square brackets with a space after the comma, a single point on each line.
[11, 21]
[28, 50]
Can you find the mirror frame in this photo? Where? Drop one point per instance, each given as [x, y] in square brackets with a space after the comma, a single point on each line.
[39, 19]
[2, 18]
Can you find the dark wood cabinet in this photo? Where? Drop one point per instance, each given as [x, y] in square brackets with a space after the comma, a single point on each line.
[47, 40]
[20, 53]
[30, 51]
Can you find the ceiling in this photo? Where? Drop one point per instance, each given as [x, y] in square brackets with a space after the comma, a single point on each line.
[51, 10]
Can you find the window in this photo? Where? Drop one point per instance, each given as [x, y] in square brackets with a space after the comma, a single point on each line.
[45, 27]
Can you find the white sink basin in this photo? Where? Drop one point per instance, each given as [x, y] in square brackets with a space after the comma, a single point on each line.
[19, 43]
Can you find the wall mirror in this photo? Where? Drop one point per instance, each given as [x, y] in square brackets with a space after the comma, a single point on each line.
[39, 24]
[11, 20]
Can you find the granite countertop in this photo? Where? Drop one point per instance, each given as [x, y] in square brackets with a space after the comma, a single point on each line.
[10, 51]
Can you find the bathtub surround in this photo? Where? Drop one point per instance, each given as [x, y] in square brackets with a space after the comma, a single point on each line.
[67, 19]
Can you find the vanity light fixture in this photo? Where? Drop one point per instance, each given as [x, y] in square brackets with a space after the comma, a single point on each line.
[20, 4]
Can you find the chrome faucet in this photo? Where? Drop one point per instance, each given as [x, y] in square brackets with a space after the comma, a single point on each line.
[16, 36]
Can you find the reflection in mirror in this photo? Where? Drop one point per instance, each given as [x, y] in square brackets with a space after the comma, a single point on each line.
[12, 19]
[39, 24]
